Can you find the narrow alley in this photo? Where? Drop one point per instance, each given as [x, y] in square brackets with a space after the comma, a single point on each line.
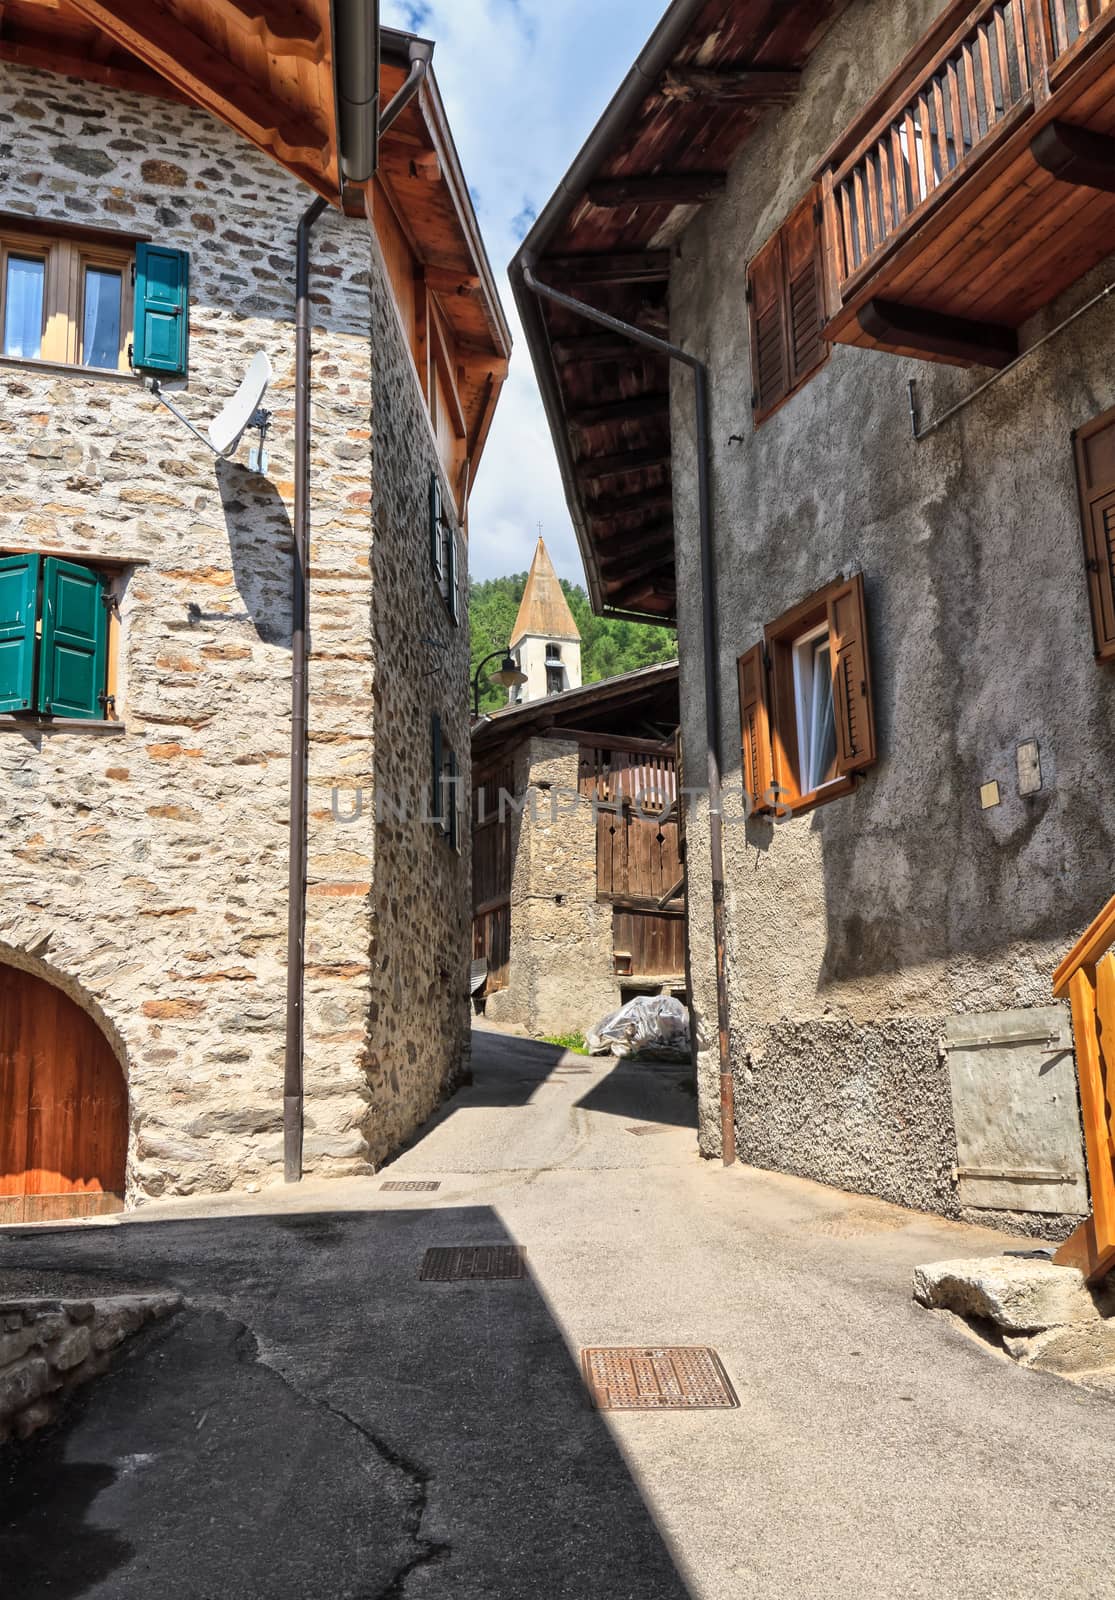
[319, 1421]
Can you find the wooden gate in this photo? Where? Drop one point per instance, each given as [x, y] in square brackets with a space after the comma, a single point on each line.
[492, 867]
[638, 852]
[63, 1107]
[1087, 976]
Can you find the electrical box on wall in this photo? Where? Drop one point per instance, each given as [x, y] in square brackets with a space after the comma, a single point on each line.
[1016, 1111]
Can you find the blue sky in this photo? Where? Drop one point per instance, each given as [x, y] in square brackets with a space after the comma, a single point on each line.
[523, 83]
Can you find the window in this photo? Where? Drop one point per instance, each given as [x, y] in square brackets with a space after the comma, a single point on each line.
[785, 296]
[806, 716]
[1095, 472]
[446, 788]
[57, 624]
[443, 552]
[86, 301]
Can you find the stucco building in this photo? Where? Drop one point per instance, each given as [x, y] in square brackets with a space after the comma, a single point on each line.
[874, 243]
[578, 901]
[545, 642]
[234, 931]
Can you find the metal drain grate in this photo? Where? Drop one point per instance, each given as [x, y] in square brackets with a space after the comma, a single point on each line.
[681, 1378]
[411, 1185]
[454, 1263]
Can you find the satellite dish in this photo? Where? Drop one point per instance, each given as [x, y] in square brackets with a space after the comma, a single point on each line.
[229, 426]
[243, 411]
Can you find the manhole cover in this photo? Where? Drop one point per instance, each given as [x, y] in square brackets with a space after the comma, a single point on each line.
[455, 1262]
[411, 1185]
[645, 1128]
[682, 1378]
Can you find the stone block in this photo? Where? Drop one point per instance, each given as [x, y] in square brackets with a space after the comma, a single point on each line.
[1081, 1347]
[1017, 1295]
[23, 1383]
[71, 1350]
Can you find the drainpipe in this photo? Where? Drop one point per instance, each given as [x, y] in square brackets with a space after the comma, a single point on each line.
[293, 1095]
[710, 645]
[420, 51]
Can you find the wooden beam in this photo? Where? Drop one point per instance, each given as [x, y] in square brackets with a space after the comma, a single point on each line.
[211, 79]
[754, 85]
[627, 461]
[283, 29]
[661, 189]
[444, 280]
[636, 543]
[626, 594]
[938, 337]
[633, 266]
[628, 410]
[659, 560]
[597, 740]
[628, 505]
[593, 347]
[135, 80]
[1076, 155]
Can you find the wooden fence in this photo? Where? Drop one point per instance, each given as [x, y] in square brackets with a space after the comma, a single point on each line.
[492, 866]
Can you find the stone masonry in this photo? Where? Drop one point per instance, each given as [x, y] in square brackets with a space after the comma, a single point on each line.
[48, 1347]
[147, 863]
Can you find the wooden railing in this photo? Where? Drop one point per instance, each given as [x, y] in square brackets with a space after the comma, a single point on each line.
[968, 96]
[1070, 20]
[1087, 976]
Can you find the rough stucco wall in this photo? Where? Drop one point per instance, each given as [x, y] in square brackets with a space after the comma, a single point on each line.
[854, 930]
[561, 977]
[148, 870]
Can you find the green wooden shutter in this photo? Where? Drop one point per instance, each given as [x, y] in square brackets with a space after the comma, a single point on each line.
[454, 586]
[75, 641]
[19, 585]
[437, 793]
[435, 525]
[162, 309]
[452, 774]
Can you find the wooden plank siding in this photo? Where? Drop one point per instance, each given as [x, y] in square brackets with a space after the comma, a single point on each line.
[638, 852]
[493, 864]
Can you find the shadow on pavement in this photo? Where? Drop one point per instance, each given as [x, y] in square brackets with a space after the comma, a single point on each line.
[650, 1091]
[319, 1423]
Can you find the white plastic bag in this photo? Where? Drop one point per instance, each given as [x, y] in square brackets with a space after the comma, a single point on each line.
[650, 1025]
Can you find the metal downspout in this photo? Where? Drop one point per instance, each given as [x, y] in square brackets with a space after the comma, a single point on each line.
[293, 1092]
[710, 642]
[420, 53]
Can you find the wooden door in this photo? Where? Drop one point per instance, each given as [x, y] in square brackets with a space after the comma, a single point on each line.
[63, 1106]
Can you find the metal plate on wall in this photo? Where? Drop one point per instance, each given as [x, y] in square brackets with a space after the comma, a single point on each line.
[1016, 1111]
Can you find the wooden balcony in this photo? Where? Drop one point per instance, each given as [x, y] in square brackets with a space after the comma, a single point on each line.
[978, 185]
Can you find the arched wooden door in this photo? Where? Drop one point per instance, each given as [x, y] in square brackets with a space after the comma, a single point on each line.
[63, 1106]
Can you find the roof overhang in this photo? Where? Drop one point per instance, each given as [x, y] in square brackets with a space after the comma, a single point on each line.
[709, 73]
[638, 703]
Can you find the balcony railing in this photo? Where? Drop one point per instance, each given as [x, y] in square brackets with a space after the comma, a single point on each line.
[985, 79]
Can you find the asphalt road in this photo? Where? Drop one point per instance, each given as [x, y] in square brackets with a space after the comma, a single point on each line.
[320, 1424]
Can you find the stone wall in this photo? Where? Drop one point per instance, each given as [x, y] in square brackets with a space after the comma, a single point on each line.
[561, 976]
[48, 1347]
[148, 864]
[854, 931]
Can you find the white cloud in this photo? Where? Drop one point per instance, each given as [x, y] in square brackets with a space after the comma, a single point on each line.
[523, 83]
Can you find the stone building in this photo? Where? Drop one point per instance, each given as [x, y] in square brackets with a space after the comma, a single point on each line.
[160, 1030]
[545, 641]
[578, 884]
[876, 239]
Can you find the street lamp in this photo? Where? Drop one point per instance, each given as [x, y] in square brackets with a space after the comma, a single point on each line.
[508, 675]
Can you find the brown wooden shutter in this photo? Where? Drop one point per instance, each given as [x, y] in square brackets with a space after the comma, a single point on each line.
[758, 773]
[769, 363]
[804, 291]
[851, 678]
[1095, 468]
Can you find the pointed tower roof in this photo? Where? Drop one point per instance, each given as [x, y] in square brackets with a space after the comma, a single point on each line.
[544, 612]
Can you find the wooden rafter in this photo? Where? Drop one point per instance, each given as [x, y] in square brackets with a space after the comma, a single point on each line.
[280, 26]
[635, 266]
[206, 76]
[630, 410]
[596, 347]
[665, 188]
[1076, 155]
[757, 84]
[937, 336]
[625, 505]
[627, 461]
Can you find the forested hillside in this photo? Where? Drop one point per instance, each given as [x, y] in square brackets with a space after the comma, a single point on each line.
[608, 646]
